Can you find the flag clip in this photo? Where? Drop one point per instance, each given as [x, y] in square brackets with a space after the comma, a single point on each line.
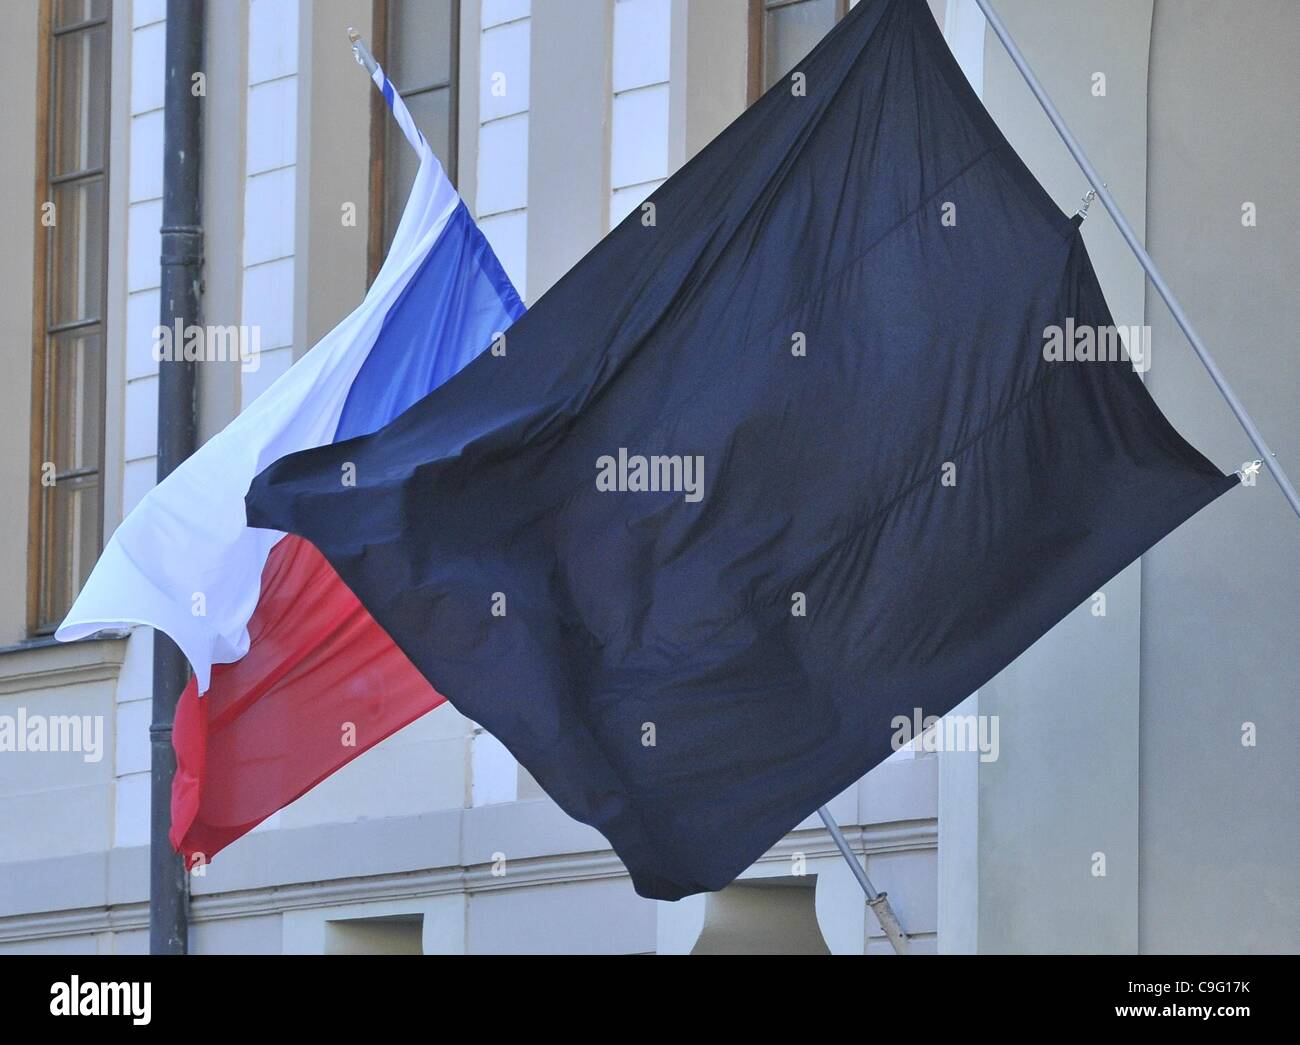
[1088, 197]
[1248, 471]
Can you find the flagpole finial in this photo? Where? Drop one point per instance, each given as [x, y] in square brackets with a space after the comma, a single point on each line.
[361, 52]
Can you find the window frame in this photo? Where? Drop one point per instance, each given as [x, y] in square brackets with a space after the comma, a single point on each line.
[758, 10]
[39, 524]
[382, 129]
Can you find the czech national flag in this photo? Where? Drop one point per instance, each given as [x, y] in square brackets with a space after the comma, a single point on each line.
[293, 677]
[779, 460]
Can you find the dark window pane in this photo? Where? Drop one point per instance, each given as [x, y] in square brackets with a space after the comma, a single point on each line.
[432, 113]
[80, 125]
[72, 520]
[75, 384]
[70, 12]
[77, 249]
[419, 43]
[790, 32]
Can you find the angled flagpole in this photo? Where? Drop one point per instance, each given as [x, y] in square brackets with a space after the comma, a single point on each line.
[878, 902]
[398, 107]
[1130, 237]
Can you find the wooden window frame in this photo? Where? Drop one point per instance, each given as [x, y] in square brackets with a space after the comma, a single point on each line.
[757, 40]
[42, 284]
[382, 127]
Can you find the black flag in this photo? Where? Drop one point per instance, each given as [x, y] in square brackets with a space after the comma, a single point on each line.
[830, 430]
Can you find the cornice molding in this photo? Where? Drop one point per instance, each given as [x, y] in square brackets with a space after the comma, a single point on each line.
[561, 868]
[48, 664]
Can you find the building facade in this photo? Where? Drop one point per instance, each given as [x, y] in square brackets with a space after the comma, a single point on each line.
[1139, 794]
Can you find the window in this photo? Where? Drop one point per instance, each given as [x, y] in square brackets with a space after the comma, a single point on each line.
[417, 43]
[390, 934]
[781, 32]
[68, 313]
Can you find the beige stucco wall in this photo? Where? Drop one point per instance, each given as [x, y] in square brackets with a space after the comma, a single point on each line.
[1221, 598]
[1121, 735]
[1065, 785]
[333, 169]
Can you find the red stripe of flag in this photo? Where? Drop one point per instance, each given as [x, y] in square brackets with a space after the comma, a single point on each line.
[321, 683]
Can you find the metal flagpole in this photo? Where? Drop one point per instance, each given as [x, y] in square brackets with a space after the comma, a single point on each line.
[878, 902]
[1130, 237]
[361, 52]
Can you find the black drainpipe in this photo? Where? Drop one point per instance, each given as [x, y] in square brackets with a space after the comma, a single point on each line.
[182, 289]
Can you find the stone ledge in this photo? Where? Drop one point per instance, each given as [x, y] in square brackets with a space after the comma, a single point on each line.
[46, 663]
[441, 852]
